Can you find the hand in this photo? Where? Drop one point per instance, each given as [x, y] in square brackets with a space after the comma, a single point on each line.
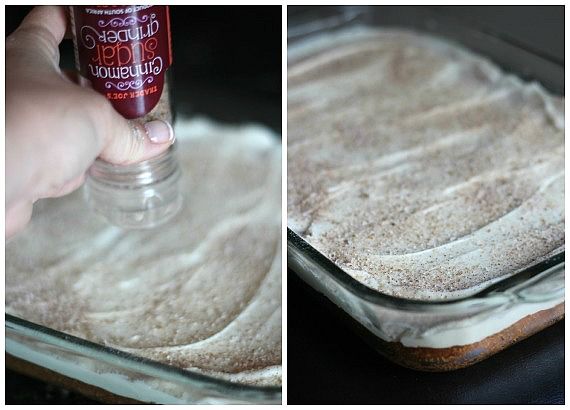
[54, 128]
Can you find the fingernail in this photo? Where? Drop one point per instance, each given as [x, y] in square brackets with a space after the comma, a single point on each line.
[159, 131]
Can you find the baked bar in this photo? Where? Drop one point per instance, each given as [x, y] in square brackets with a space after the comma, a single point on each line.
[426, 173]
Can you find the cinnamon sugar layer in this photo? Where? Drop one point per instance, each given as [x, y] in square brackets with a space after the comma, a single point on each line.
[419, 168]
[202, 292]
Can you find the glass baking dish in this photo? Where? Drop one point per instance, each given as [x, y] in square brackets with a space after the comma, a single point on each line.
[112, 375]
[436, 336]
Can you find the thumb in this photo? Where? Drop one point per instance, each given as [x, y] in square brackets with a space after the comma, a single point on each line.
[127, 142]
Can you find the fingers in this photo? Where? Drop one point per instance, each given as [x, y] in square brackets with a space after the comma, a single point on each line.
[66, 188]
[68, 33]
[128, 142]
[71, 75]
[36, 42]
[17, 217]
[40, 33]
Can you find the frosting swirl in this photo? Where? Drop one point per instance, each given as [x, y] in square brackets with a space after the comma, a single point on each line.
[202, 292]
[418, 167]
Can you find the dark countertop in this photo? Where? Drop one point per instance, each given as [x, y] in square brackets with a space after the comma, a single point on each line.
[327, 363]
[22, 389]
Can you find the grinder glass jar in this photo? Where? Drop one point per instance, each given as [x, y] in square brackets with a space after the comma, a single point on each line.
[124, 53]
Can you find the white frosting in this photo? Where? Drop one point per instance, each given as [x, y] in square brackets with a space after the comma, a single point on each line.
[491, 318]
[202, 292]
[472, 331]
[419, 168]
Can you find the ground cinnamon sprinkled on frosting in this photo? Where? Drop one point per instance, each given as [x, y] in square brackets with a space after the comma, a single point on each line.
[418, 167]
[202, 292]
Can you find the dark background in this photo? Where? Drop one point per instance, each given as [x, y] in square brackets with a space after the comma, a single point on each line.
[227, 65]
[327, 363]
[539, 28]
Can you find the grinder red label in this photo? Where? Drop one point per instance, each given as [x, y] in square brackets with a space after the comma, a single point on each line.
[124, 51]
